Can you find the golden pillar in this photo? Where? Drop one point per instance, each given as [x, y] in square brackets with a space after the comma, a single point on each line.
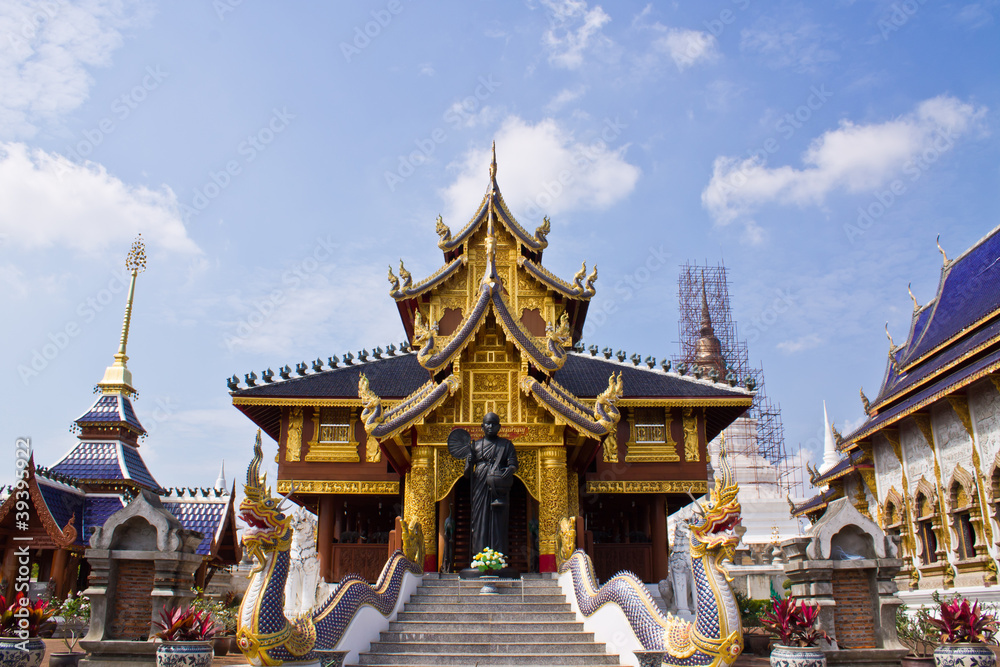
[419, 501]
[573, 493]
[553, 506]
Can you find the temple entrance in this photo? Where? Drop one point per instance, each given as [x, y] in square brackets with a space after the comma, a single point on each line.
[523, 509]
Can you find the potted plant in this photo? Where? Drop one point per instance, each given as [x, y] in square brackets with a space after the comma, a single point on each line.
[73, 615]
[755, 638]
[186, 634]
[22, 624]
[69, 657]
[216, 609]
[966, 634]
[794, 624]
[919, 635]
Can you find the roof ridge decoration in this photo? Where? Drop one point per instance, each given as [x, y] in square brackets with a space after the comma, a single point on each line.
[383, 424]
[575, 291]
[598, 422]
[408, 290]
[63, 537]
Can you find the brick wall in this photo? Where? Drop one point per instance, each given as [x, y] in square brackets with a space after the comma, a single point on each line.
[132, 605]
[854, 611]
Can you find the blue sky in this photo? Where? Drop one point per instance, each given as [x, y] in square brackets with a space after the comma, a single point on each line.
[277, 157]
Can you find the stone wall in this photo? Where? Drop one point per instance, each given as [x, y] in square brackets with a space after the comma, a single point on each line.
[854, 614]
[134, 587]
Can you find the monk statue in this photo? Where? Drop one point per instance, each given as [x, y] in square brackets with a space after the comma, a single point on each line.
[490, 463]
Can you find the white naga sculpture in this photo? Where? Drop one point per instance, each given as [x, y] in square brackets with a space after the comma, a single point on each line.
[680, 571]
[304, 588]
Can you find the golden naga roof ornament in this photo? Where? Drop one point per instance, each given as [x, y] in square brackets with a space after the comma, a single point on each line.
[393, 281]
[542, 231]
[916, 306]
[405, 275]
[443, 232]
[941, 250]
[865, 402]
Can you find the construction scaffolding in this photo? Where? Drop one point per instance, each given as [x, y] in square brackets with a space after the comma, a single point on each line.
[757, 440]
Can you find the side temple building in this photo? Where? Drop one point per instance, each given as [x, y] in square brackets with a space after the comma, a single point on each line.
[617, 442]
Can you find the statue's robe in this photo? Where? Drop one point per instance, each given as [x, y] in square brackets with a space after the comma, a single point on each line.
[491, 473]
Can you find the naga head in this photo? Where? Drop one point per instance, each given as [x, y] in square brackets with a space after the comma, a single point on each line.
[713, 528]
[268, 527]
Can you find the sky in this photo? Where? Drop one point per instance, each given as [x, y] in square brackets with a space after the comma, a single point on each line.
[277, 157]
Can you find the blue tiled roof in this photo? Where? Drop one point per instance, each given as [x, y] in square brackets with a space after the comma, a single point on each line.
[111, 409]
[390, 377]
[100, 461]
[137, 469]
[63, 504]
[91, 460]
[841, 467]
[816, 501]
[96, 512]
[204, 517]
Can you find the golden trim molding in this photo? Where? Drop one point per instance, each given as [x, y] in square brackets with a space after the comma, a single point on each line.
[361, 488]
[661, 486]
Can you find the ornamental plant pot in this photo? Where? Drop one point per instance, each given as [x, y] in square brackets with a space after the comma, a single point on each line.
[964, 655]
[220, 646]
[184, 654]
[71, 659]
[797, 656]
[16, 652]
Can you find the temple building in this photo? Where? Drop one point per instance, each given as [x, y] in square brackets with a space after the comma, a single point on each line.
[926, 461]
[100, 474]
[616, 442]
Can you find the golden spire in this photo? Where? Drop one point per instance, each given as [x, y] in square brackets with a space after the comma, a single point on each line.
[493, 163]
[941, 249]
[117, 376]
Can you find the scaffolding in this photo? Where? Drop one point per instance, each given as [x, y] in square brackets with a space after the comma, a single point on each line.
[756, 440]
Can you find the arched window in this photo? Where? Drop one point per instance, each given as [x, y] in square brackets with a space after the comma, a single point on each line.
[925, 530]
[963, 508]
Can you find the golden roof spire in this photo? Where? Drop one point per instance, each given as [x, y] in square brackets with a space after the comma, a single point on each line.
[493, 163]
[117, 376]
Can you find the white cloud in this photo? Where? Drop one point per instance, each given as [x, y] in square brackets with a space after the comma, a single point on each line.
[687, 47]
[806, 342]
[47, 47]
[50, 201]
[564, 97]
[542, 170]
[795, 44]
[855, 158]
[574, 29]
[426, 69]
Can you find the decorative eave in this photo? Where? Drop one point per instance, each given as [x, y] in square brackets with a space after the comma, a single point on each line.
[383, 425]
[409, 291]
[62, 537]
[575, 291]
[547, 359]
[596, 422]
[816, 504]
[434, 358]
[854, 462]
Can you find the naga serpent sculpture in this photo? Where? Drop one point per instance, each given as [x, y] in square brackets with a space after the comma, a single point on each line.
[715, 638]
[263, 633]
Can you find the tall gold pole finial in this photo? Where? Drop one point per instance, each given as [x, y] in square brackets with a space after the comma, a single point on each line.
[916, 306]
[493, 163]
[117, 376]
[941, 250]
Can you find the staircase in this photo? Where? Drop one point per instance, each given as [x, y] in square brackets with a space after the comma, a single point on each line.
[447, 622]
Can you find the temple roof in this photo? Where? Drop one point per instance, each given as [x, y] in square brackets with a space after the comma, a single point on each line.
[204, 512]
[814, 504]
[94, 462]
[111, 410]
[958, 321]
[849, 463]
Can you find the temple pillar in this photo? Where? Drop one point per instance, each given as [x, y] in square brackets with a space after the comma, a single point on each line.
[553, 506]
[338, 517]
[658, 535]
[419, 501]
[573, 493]
[58, 574]
[324, 535]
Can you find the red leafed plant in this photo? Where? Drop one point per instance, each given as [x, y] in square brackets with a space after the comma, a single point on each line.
[960, 623]
[794, 623]
[23, 618]
[185, 624]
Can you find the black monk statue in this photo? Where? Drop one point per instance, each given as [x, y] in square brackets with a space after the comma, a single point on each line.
[490, 464]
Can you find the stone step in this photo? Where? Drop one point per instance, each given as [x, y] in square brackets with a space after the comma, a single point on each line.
[427, 660]
[486, 635]
[476, 599]
[476, 647]
[485, 607]
[438, 626]
[457, 618]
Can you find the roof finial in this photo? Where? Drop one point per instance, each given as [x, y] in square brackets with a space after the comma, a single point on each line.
[117, 377]
[706, 319]
[892, 346]
[941, 249]
[493, 163]
[916, 306]
[830, 456]
[220, 483]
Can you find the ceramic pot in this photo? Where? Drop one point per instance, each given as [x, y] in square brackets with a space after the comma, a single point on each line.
[964, 655]
[797, 656]
[184, 654]
[16, 652]
[234, 645]
[220, 646]
[65, 659]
